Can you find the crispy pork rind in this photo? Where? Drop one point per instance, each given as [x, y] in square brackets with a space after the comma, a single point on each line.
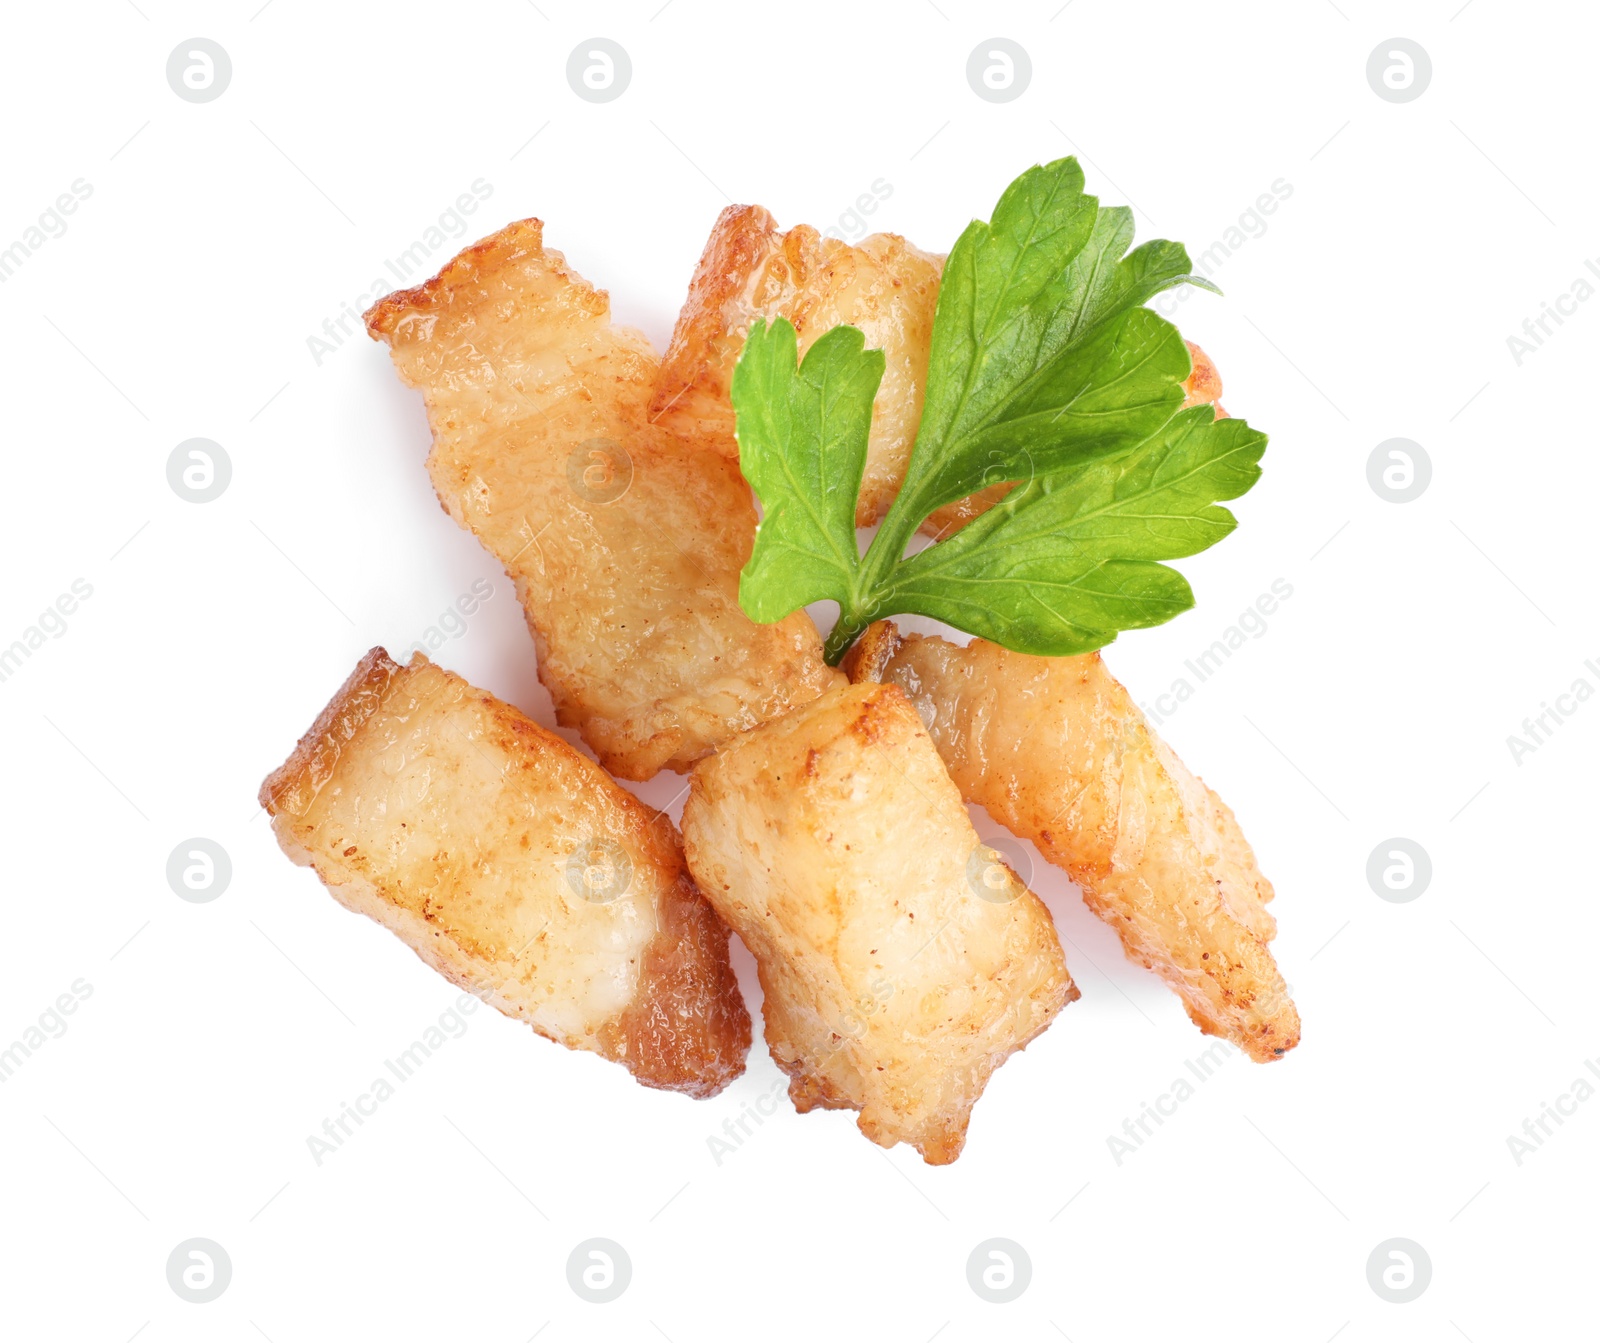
[625, 542]
[902, 961]
[515, 867]
[1056, 751]
[882, 285]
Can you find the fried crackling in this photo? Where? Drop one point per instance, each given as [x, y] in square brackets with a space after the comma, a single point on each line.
[901, 960]
[1056, 751]
[511, 864]
[624, 542]
[882, 285]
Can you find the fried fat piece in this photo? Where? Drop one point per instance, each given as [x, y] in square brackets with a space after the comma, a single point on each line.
[516, 868]
[1056, 751]
[902, 961]
[882, 285]
[625, 543]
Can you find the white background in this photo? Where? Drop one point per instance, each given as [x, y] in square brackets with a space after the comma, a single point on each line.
[218, 1036]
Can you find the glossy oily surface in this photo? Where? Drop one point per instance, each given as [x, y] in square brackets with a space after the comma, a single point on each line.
[881, 285]
[902, 962]
[512, 865]
[1056, 750]
[625, 542]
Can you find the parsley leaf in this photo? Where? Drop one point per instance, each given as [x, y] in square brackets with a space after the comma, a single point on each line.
[803, 446]
[1043, 354]
[1045, 370]
[1065, 561]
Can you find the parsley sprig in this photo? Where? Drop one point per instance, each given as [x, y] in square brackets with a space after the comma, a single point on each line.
[1046, 370]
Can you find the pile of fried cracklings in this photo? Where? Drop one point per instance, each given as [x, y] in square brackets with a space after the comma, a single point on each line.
[901, 962]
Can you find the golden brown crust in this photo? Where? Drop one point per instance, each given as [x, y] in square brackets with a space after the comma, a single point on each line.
[687, 1028]
[750, 270]
[456, 822]
[833, 841]
[293, 786]
[692, 391]
[520, 238]
[864, 664]
[1057, 752]
[631, 596]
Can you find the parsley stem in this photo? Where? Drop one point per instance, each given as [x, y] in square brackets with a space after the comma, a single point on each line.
[850, 624]
[871, 581]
